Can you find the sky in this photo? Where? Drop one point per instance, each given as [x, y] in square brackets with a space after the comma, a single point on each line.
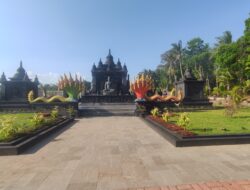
[53, 37]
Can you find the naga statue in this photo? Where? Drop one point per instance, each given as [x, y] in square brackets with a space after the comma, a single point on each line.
[46, 100]
[144, 83]
[72, 87]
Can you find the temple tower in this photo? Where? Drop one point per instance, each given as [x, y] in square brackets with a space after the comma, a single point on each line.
[117, 73]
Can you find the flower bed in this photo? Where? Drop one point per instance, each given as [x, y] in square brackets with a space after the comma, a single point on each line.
[13, 126]
[171, 126]
[191, 136]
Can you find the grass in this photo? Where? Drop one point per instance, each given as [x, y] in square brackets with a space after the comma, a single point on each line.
[214, 122]
[21, 119]
[18, 124]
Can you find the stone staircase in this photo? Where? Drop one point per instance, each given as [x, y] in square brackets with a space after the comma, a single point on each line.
[106, 109]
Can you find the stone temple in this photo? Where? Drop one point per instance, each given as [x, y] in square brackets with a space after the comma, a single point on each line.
[109, 78]
[16, 89]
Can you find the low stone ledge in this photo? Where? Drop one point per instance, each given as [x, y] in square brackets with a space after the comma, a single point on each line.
[179, 141]
[21, 144]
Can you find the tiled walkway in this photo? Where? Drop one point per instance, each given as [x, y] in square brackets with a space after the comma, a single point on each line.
[108, 153]
[216, 185]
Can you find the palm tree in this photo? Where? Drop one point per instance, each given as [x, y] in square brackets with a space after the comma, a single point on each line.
[170, 65]
[226, 38]
[224, 77]
[177, 51]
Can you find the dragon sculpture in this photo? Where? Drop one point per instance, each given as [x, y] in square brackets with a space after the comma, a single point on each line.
[72, 87]
[46, 100]
[144, 83]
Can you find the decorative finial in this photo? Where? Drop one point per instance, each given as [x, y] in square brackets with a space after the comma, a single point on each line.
[21, 63]
[3, 78]
[94, 67]
[124, 67]
[36, 81]
[109, 52]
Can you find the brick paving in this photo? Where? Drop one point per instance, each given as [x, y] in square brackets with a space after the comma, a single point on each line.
[118, 153]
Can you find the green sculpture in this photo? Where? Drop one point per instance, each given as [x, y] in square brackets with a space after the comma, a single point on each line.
[72, 87]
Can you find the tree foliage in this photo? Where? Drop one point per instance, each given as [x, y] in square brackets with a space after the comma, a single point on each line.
[223, 66]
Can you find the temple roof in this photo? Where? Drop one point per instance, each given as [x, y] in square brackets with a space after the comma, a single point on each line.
[118, 65]
[124, 68]
[93, 67]
[100, 64]
[109, 59]
[3, 78]
[26, 78]
[109, 65]
[36, 81]
[20, 74]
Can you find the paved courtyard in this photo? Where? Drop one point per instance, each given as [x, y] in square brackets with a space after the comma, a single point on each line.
[106, 153]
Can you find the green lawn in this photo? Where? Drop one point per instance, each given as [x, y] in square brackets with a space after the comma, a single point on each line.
[15, 125]
[214, 122]
[21, 119]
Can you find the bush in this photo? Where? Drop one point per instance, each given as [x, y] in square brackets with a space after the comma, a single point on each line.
[54, 113]
[183, 120]
[231, 108]
[71, 111]
[38, 119]
[165, 116]
[155, 112]
[8, 129]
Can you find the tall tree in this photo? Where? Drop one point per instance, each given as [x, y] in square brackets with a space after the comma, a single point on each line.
[226, 38]
[247, 49]
[173, 63]
[177, 51]
[198, 57]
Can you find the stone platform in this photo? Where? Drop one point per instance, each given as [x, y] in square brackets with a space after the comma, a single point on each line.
[106, 109]
[107, 99]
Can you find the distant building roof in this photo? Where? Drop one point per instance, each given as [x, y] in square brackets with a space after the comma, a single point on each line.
[3, 78]
[20, 74]
[109, 65]
[109, 59]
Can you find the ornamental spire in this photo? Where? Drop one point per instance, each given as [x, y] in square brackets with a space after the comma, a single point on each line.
[3, 78]
[109, 59]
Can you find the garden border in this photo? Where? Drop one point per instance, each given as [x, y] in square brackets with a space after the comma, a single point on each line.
[179, 141]
[20, 144]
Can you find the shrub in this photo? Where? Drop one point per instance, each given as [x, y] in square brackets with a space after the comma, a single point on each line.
[165, 116]
[8, 129]
[155, 112]
[183, 120]
[71, 111]
[140, 108]
[236, 94]
[38, 119]
[230, 109]
[54, 113]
